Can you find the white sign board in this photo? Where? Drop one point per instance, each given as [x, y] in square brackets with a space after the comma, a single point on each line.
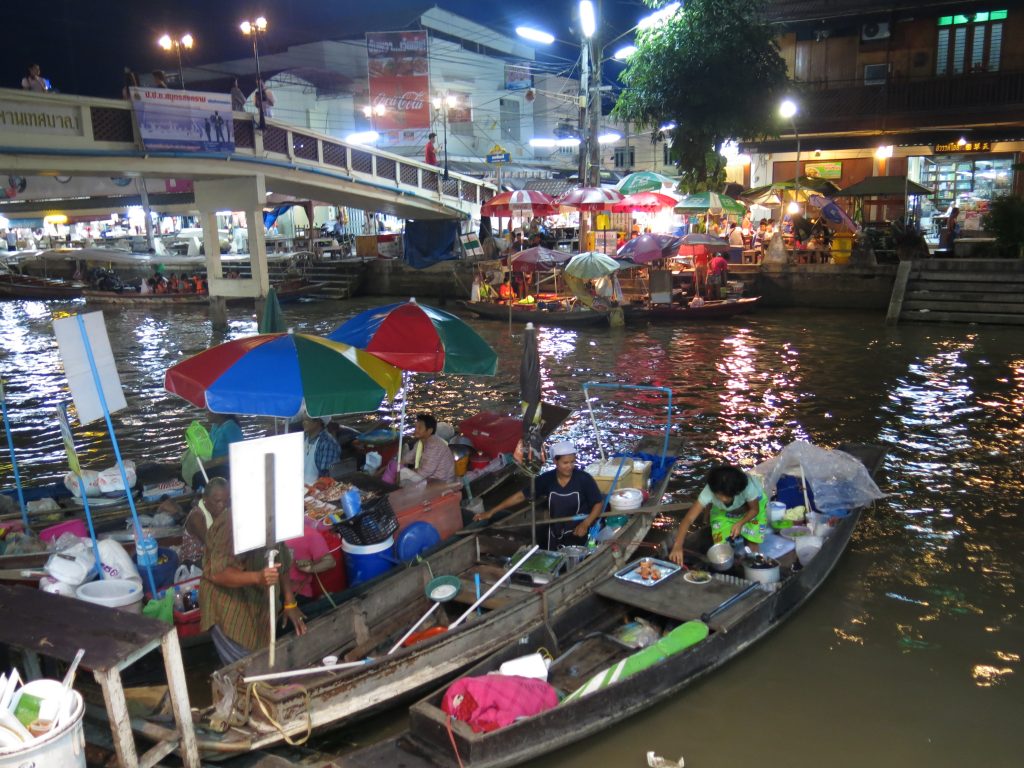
[75, 356]
[249, 503]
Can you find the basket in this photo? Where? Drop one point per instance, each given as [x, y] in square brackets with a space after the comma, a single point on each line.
[373, 525]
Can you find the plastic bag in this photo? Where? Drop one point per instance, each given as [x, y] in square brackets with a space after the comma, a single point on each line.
[73, 566]
[638, 634]
[117, 563]
[161, 609]
[109, 479]
[90, 478]
[839, 481]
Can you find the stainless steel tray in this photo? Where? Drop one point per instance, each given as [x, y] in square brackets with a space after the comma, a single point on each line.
[631, 572]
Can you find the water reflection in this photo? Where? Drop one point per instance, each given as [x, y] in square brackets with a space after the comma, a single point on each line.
[925, 609]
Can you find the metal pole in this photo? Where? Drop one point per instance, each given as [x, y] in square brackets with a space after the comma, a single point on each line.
[259, 79]
[444, 120]
[796, 193]
[181, 73]
[584, 132]
[594, 101]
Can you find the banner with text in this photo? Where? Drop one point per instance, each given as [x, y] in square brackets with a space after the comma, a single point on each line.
[399, 77]
[186, 121]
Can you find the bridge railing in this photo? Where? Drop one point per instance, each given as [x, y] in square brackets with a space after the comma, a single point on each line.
[65, 123]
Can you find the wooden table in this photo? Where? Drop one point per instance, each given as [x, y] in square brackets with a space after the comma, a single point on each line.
[38, 623]
[809, 255]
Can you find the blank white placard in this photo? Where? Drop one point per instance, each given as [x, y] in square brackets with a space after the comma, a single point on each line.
[78, 370]
[248, 490]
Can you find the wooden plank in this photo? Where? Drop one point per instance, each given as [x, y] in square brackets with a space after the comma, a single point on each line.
[152, 757]
[117, 710]
[959, 317]
[57, 627]
[899, 288]
[178, 689]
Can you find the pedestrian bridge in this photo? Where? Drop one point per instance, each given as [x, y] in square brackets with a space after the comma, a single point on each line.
[48, 134]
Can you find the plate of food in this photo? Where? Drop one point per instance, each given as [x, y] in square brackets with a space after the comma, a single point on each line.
[647, 571]
[697, 577]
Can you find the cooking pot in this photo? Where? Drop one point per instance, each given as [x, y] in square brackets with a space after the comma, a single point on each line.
[721, 557]
[761, 568]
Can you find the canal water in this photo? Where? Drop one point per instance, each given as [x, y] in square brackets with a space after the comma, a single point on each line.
[910, 654]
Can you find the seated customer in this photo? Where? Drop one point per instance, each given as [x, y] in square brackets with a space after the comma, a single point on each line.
[430, 459]
[321, 449]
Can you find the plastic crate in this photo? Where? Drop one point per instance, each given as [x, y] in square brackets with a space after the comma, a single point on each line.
[373, 525]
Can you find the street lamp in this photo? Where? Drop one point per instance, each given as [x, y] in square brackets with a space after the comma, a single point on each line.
[255, 29]
[185, 41]
[788, 110]
[444, 103]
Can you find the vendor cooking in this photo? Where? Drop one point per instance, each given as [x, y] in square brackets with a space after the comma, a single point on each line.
[738, 508]
[568, 491]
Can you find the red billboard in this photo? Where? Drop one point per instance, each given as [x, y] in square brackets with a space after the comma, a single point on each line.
[398, 70]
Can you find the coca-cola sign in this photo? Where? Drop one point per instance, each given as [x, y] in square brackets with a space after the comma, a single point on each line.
[399, 77]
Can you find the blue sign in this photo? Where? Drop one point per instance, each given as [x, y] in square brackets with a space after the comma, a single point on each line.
[186, 121]
[499, 157]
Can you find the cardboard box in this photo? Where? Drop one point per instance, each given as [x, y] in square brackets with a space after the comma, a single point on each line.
[634, 474]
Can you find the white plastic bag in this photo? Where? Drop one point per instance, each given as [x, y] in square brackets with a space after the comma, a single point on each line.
[110, 478]
[90, 478]
[117, 563]
[73, 566]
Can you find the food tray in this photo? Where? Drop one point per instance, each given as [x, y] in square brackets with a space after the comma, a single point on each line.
[631, 572]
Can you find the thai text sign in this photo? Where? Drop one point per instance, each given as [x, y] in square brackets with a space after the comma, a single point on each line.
[824, 170]
[185, 121]
[33, 118]
[399, 76]
[953, 147]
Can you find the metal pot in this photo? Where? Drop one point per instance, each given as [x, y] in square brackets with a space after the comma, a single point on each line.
[721, 557]
[761, 568]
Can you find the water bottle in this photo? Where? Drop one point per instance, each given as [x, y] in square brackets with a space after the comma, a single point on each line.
[193, 596]
[595, 529]
[351, 502]
[146, 551]
[179, 601]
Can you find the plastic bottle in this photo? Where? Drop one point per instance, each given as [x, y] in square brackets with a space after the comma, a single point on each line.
[146, 552]
[179, 601]
[592, 535]
[194, 597]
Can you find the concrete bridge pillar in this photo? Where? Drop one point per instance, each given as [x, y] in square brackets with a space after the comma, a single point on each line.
[248, 195]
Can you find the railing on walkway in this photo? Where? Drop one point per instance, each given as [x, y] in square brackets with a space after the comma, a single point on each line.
[70, 122]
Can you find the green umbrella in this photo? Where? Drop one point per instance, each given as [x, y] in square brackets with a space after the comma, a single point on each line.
[591, 265]
[273, 319]
[710, 201]
[643, 181]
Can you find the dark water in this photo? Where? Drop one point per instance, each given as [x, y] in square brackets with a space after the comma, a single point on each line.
[909, 655]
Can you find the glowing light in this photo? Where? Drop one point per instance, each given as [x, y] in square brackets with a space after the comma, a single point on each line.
[535, 35]
[187, 40]
[542, 143]
[884, 152]
[625, 52]
[165, 42]
[362, 137]
[658, 17]
[608, 138]
[961, 141]
[787, 108]
[588, 19]
[793, 207]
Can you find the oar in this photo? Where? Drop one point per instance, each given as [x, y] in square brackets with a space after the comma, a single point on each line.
[271, 554]
[498, 583]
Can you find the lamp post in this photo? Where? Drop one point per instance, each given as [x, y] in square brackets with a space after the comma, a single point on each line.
[185, 41]
[444, 103]
[788, 110]
[255, 29]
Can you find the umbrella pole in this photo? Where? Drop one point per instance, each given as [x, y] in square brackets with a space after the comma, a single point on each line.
[533, 508]
[401, 430]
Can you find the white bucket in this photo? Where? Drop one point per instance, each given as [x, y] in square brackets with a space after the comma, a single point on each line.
[63, 746]
[626, 498]
[113, 593]
[534, 665]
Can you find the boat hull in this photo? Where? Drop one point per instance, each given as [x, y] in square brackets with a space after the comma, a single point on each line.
[28, 287]
[712, 310]
[536, 316]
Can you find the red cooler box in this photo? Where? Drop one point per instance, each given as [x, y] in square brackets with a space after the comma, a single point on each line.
[493, 434]
[440, 505]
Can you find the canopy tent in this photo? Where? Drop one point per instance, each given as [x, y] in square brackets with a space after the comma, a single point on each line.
[885, 186]
[787, 188]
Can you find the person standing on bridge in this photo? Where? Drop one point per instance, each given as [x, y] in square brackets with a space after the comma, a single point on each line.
[159, 79]
[237, 98]
[33, 81]
[266, 96]
[430, 153]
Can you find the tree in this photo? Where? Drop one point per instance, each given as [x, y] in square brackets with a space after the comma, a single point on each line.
[713, 69]
[1005, 219]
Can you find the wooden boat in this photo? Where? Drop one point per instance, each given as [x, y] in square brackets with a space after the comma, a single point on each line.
[15, 286]
[712, 310]
[288, 291]
[536, 315]
[721, 619]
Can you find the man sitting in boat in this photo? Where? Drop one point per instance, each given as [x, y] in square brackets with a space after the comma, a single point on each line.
[430, 460]
[233, 592]
[738, 507]
[568, 491]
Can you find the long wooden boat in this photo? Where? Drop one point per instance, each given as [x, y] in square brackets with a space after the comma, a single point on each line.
[286, 292]
[712, 310]
[536, 315]
[604, 679]
[14, 286]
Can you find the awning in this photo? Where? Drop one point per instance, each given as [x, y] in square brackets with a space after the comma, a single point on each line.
[885, 186]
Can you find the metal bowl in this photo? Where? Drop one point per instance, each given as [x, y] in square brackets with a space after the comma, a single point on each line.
[721, 557]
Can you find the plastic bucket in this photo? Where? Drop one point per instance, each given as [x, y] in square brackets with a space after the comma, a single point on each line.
[63, 746]
[776, 511]
[113, 593]
[807, 547]
[626, 499]
[363, 563]
[76, 526]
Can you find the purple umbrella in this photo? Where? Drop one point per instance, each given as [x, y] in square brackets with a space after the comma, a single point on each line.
[536, 258]
[648, 248]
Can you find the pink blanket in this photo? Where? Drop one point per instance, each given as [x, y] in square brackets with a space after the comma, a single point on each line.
[494, 701]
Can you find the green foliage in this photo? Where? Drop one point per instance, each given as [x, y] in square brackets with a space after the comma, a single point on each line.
[1005, 219]
[714, 69]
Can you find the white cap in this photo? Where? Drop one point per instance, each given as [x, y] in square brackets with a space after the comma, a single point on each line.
[563, 448]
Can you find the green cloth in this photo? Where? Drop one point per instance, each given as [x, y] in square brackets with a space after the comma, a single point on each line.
[161, 608]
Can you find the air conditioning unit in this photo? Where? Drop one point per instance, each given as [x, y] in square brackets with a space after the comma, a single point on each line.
[874, 30]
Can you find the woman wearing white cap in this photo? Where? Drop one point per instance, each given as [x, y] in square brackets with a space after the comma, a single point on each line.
[568, 491]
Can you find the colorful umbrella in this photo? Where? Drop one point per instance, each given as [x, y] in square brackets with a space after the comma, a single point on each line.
[590, 198]
[643, 181]
[644, 201]
[522, 202]
[415, 337]
[808, 185]
[282, 374]
[710, 201]
[648, 248]
[832, 213]
[591, 265]
[532, 259]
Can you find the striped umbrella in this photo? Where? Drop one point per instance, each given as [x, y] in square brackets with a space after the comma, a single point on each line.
[522, 202]
[644, 201]
[282, 374]
[590, 198]
[710, 201]
[643, 181]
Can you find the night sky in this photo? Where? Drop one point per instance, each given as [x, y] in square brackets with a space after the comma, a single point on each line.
[83, 46]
